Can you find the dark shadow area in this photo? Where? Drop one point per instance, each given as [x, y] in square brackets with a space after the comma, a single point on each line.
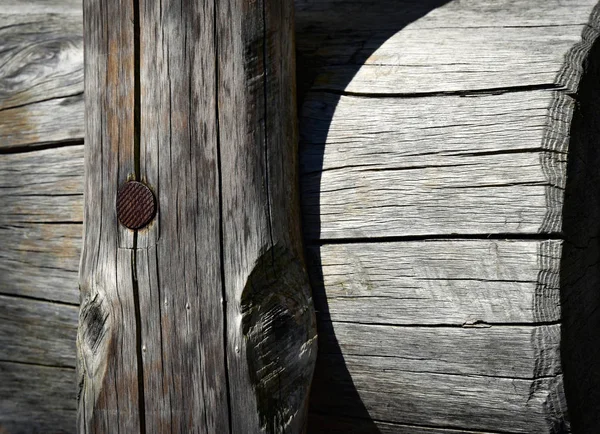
[330, 34]
[580, 267]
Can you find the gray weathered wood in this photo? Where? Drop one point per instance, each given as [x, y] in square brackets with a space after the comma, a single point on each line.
[39, 7]
[40, 223]
[40, 261]
[41, 103]
[37, 398]
[55, 121]
[46, 332]
[266, 290]
[343, 425]
[439, 46]
[40, 57]
[471, 402]
[178, 256]
[468, 350]
[109, 396]
[43, 186]
[438, 165]
[202, 321]
[446, 282]
[516, 123]
[388, 153]
[41, 74]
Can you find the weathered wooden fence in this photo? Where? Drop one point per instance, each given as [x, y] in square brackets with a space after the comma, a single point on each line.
[449, 203]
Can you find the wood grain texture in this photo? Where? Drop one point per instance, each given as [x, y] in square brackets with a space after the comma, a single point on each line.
[450, 120]
[468, 350]
[394, 134]
[448, 282]
[475, 45]
[342, 425]
[41, 104]
[40, 223]
[39, 7]
[178, 259]
[46, 332]
[106, 340]
[271, 330]
[444, 165]
[41, 74]
[58, 121]
[43, 186]
[471, 402]
[41, 57]
[41, 261]
[214, 321]
[25, 406]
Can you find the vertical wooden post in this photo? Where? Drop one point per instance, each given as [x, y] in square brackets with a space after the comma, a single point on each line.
[201, 321]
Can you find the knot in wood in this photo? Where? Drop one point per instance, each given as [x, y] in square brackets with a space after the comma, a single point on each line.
[136, 205]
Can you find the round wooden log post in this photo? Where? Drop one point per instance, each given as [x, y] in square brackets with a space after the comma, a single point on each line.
[201, 320]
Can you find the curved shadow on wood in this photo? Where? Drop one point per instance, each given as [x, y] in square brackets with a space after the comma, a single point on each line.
[580, 263]
[335, 404]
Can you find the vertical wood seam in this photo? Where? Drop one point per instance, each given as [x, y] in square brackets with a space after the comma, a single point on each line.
[221, 221]
[137, 175]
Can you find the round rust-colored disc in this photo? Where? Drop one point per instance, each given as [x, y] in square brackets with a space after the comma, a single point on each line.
[136, 206]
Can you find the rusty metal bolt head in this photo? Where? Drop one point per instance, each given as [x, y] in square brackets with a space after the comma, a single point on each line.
[136, 205]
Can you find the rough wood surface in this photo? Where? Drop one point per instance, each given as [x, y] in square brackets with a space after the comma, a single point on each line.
[446, 282]
[203, 321]
[272, 350]
[40, 223]
[355, 143]
[41, 74]
[470, 402]
[40, 261]
[478, 349]
[46, 332]
[437, 45]
[107, 339]
[431, 166]
[37, 398]
[448, 120]
[41, 105]
[44, 186]
[342, 425]
[178, 256]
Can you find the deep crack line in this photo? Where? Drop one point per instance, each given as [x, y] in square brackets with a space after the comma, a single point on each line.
[137, 176]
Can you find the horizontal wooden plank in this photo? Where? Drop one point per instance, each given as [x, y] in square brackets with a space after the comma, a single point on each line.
[42, 123]
[349, 129]
[523, 352]
[41, 74]
[332, 424]
[38, 7]
[475, 403]
[37, 399]
[438, 46]
[41, 261]
[37, 332]
[42, 186]
[429, 399]
[41, 57]
[450, 60]
[437, 282]
[333, 15]
[436, 165]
